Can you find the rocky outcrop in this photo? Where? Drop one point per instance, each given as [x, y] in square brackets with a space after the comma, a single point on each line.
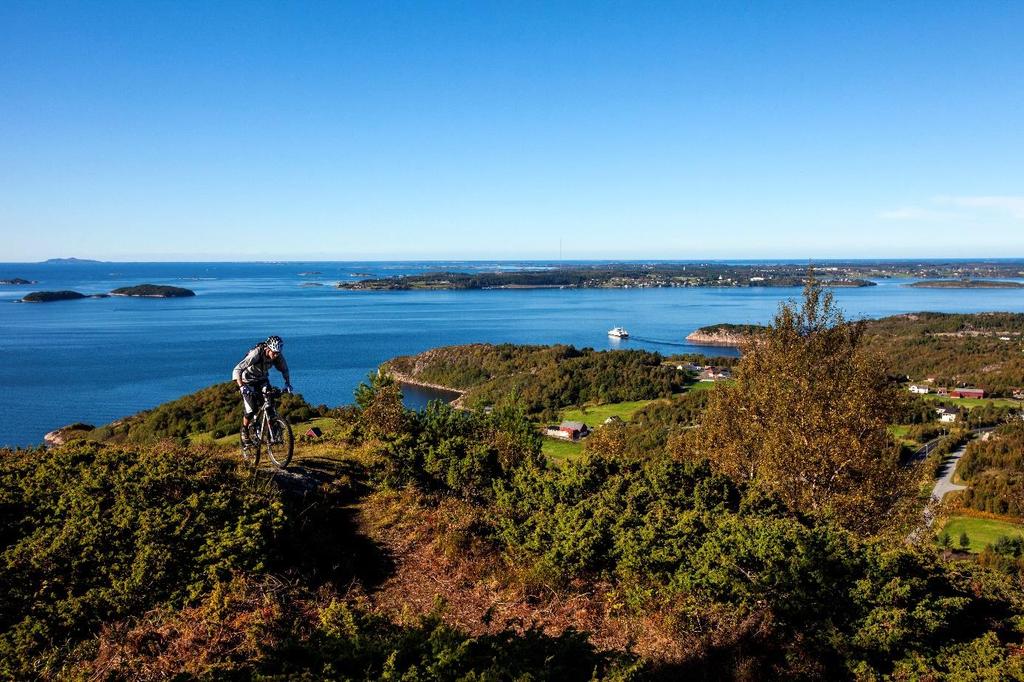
[725, 335]
[66, 433]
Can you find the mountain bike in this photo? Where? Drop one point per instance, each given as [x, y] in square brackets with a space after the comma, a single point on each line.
[269, 431]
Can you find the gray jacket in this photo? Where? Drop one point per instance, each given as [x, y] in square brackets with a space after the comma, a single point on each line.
[255, 367]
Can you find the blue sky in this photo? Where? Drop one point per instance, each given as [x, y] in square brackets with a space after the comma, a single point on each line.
[199, 130]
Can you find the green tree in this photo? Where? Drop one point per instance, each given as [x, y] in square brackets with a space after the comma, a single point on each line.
[381, 412]
[807, 416]
[965, 540]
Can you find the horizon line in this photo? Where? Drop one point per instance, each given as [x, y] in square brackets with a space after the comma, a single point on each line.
[781, 260]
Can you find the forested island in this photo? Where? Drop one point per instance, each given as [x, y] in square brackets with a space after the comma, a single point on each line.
[51, 296]
[773, 525]
[141, 291]
[18, 281]
[966, 284]
[153, 291]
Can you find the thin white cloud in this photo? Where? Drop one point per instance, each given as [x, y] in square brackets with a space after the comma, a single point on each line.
[1005, 204]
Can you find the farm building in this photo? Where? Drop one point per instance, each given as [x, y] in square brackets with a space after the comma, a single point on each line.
[574, 430]
[967, 393]
[567, 430]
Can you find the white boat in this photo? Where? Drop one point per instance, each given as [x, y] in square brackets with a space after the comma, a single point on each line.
[618, 333]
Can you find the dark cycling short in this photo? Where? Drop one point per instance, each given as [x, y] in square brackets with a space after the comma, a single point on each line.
[253, 401]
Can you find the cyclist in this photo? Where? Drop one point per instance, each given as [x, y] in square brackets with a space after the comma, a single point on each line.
[253, 373]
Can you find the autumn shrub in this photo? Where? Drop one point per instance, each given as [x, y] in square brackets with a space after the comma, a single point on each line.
[94, 533]
[269, 630]
[673, 536]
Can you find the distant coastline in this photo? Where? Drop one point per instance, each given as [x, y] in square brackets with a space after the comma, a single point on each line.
[966, 284]
[621, 276]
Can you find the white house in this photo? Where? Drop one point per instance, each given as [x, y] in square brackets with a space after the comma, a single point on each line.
[715, 374]
[946, 415]
[918, 388]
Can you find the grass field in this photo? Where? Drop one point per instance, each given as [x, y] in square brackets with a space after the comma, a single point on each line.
[900, 431]
[971, 403]
[981, 532]
[560, 451]
[594, 415]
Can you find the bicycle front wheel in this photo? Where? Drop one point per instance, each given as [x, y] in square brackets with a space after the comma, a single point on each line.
[280, 442]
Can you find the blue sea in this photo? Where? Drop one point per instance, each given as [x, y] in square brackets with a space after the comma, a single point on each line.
[96, 360]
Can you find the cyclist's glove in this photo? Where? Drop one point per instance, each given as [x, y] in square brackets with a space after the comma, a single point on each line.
[247, 390]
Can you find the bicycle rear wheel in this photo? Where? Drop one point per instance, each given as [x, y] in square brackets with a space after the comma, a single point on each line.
[279, 441]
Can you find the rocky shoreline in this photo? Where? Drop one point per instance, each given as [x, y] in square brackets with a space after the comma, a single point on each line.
[722, 336]
[406, 379]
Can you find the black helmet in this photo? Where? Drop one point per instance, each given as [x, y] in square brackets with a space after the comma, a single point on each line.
[275, 343]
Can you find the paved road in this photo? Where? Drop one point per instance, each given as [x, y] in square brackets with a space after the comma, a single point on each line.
[945, 484]
[923, 451]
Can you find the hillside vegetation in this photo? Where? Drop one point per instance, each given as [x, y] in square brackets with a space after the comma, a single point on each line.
[984, 350]
[543, 379]
[216, 410]
[993, 470]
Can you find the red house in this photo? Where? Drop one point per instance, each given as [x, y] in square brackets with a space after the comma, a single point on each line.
[967, 393]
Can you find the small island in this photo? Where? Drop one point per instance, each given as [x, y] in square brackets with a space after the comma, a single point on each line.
[69, 261]
[153, 291]
[51, 296]
[724, 335]
[966, 284]
[18, 281]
